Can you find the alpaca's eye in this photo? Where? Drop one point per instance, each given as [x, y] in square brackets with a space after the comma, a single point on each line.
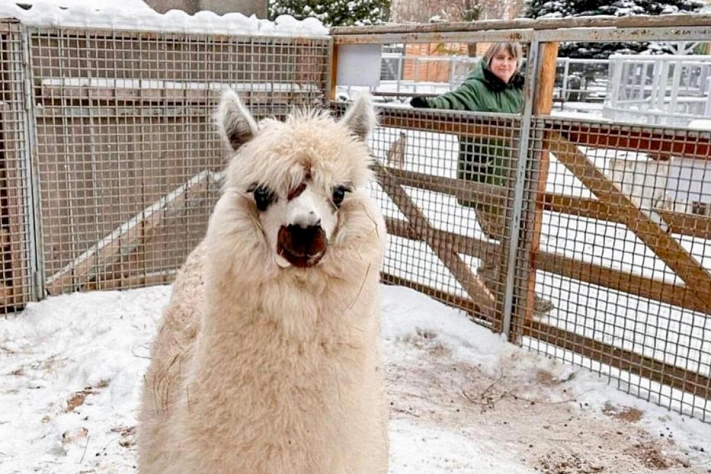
[339, 192]
[263, 197]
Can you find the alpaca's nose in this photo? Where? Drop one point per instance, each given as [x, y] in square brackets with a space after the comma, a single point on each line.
[305, 238]
[302, 246]
[305, 220]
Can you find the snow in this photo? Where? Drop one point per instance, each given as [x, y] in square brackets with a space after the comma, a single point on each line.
[137, 15]
[700, 124]
[72, 365]
[110, 83]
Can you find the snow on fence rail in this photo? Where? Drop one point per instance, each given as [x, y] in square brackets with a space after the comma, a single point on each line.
[108, 167]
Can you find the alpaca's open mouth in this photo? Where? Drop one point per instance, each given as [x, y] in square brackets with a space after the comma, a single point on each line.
[301, 247]
[300, 261]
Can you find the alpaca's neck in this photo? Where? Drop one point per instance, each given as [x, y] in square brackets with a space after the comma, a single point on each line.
[296, 307]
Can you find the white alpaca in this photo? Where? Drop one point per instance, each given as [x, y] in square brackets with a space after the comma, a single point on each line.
[268, 359]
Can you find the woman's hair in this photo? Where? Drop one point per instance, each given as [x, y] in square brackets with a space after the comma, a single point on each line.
[514, 49]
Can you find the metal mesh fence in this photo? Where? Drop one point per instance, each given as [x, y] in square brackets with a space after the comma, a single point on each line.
[612, 259]
[444, 185]
[625, 257]
[127, 157]
[15, 200]
[109, 168]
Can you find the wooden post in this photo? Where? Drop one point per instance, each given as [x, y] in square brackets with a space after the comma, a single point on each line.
[542, 105]
[334, 73]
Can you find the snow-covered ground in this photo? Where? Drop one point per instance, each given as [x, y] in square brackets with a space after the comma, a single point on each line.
[462, 400]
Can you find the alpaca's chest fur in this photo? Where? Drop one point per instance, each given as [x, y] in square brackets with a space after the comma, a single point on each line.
[254, 387]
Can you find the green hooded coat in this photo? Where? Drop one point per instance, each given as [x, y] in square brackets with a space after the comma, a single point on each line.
[484, 160]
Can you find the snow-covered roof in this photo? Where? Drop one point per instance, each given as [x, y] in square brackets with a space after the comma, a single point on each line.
[137, 15]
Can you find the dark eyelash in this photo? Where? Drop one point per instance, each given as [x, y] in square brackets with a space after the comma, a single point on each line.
[263, 196]
[338, 193]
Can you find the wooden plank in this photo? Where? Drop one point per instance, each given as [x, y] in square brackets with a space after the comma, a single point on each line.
[459, 244]
[668, 249]
[471, 125]
[471, 283]
[654, 141]
[645, 287]
[679, 223]
[629, 361]
[643, 21]
[626, 282]
[542, 104]
[519, 35]
[126, 238]
[132, 281]
[461, 188]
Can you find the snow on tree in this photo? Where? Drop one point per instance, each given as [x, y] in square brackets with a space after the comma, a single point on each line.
[334, 12]
[619, 8]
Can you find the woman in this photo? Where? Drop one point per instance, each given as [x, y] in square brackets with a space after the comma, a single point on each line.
[494, 85]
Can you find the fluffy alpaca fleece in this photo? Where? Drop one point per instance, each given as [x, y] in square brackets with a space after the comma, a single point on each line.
[267, 363]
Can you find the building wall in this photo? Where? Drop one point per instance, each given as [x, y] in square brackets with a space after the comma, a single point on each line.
[435, 71]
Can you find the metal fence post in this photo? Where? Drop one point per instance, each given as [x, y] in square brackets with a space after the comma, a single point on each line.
[32, 197]
[521, 167]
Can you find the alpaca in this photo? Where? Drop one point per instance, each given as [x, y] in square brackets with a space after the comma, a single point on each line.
[268, 360]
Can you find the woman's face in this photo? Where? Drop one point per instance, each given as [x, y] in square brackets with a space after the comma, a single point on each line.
[503, 65]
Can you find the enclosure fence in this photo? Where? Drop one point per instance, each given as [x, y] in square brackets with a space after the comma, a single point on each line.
[110, 162]
[586, 240]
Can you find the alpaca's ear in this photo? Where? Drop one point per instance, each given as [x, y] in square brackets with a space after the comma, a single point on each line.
[235, 123]
[360, 117]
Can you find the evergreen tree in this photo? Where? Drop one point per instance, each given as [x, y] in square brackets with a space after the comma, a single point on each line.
[575, 8]
[334, 12]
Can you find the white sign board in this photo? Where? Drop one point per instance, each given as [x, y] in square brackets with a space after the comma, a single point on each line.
[359, 65]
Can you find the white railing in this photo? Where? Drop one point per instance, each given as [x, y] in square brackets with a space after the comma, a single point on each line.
[668, 90]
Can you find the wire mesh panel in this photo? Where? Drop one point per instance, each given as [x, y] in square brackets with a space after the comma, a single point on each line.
[605, 230]
[15, 193]
[128, 161]
[445, 186]
[625, 256]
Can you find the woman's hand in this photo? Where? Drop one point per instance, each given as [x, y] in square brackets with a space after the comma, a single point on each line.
[419, 103]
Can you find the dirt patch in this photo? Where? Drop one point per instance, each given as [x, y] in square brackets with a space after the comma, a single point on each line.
[628, 414]
[128, 435]
[561, 463]
[557, 437]
[544, 377]
[427, 340]
[652, 456]
[77, 399]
